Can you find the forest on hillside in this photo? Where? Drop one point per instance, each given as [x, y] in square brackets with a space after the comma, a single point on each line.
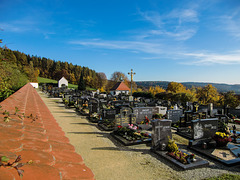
[34, 66]
[18, 68]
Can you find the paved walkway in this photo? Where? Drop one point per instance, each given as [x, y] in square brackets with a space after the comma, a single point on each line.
[37, 137]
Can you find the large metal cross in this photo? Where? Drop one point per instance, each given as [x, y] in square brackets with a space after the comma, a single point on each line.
[131, 74]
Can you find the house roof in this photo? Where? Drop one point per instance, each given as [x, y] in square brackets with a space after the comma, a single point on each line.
[120, 86]
[63, 78]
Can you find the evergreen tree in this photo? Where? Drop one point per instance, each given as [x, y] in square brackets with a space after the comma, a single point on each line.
[81, 84]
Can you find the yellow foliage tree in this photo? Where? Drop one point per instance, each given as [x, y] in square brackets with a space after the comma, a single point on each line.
[155, 90]
[208, 94]
[102, 89]
[175, 87]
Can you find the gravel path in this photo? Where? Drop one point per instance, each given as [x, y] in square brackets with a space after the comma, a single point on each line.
[110, 160]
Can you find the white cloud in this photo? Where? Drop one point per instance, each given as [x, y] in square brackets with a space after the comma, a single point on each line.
[231, 23]
[158, 51]
[185, 15]
[177, 24]
[136, 46]
[213, 58]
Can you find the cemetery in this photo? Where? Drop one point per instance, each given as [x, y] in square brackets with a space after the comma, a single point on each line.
[148, 121]
[150, 124]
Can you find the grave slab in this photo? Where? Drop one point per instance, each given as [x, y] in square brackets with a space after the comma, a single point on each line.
[197, 164]
[229, 155]
[105, 128]
[126, 142]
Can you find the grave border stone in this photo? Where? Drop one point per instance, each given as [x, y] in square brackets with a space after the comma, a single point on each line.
[198, 164]
[130, 143]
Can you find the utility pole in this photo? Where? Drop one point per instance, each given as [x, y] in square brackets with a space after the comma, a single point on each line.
[131, 74]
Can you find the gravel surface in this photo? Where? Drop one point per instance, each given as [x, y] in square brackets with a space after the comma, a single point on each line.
[109, 160]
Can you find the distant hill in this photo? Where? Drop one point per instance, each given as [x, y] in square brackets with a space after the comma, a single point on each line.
[220, 87]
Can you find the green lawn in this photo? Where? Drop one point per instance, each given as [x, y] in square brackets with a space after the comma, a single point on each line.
[46, 80]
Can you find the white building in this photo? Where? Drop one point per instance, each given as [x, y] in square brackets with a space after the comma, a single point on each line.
[62, 82]
[35, 85]
[119, 88]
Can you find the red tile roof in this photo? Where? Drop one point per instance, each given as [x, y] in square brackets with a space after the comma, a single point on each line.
[38, 138]
[120, 86]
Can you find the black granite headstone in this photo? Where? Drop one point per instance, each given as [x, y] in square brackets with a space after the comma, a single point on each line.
[142, 112]
[161, 132]
[93, 105]
[204, 128]
[108, 114]
[174, 115]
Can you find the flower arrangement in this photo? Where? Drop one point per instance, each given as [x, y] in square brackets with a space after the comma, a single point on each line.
[145, 121]
[131, 133]
[85, 105]
[132, 127]
[222, 138]
[175, 153]
[94, 116]
[84, 110]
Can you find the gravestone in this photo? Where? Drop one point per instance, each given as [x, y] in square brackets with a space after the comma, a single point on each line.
[125, 117]
[204, 128]
[67, 97]
[142, 112]
[161, 132]
[93, 105]
[108, 114]
[174, 115]
[162, 110]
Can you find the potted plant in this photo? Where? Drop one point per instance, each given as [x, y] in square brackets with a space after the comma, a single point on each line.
[222, 139]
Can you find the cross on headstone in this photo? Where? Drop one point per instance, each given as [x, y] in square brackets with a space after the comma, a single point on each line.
[161, 133]
[90, 106]
[104, 113]
[125, 112]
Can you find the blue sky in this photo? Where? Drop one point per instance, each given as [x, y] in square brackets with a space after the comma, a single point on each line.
[161, 40]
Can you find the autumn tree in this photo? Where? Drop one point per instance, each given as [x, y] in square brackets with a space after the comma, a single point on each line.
[208, 94]
[155, 90]
[102, 80]
[229, 99]
[175, 87]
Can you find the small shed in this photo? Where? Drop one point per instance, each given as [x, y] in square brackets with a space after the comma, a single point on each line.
[35, 85]
[119, 88]
[63, 82]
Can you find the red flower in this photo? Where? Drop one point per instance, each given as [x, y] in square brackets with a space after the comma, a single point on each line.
[146, 119]
[119, 126]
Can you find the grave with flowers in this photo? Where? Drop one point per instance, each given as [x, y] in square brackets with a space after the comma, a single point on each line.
[165, 147]
[216, 143]
[145, 114]
[107, 121]
[126, 131]
[94, 110]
